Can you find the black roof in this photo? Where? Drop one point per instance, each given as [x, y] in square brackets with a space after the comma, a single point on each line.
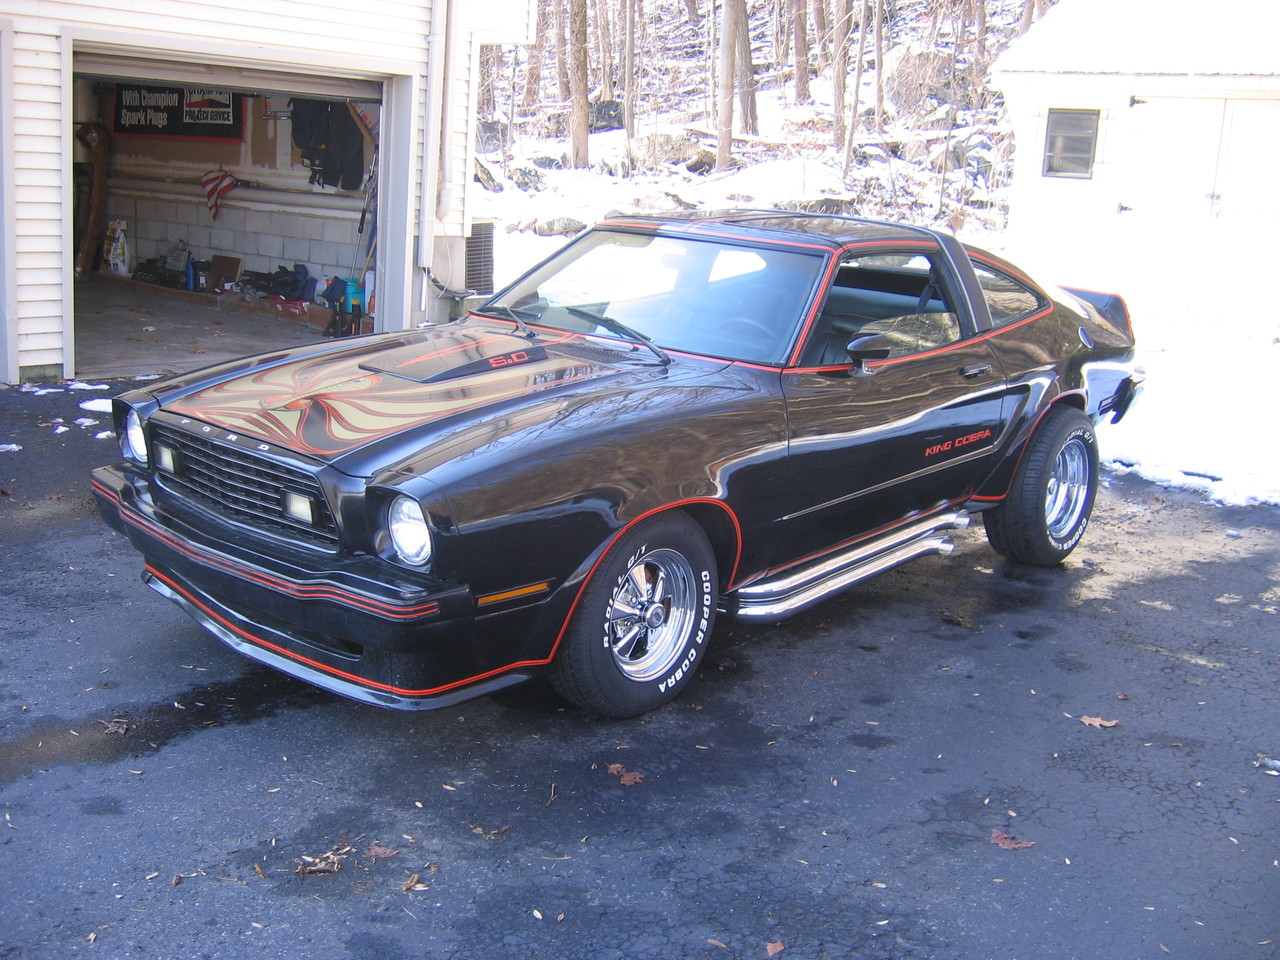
[766, 225]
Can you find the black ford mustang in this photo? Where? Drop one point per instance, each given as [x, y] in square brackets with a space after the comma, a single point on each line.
[669, 419]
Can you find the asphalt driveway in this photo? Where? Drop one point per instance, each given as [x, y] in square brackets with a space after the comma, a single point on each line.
[962, 759]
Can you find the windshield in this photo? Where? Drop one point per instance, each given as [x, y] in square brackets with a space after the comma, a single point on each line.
[698, 296]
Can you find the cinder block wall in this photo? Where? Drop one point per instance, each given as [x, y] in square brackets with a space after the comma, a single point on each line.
[326, 241]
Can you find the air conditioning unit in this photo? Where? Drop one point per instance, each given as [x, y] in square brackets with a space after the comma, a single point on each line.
[479, 265]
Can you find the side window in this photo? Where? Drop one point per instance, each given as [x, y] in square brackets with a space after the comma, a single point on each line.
[1007, 299]
[1071, 139]
[900, 296]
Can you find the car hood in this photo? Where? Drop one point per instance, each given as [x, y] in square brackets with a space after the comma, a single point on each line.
[392, 393]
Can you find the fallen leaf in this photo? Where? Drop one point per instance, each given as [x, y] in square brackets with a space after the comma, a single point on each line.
[1007, 842]
[115, 725]
[1098, 722]
[379, 852]
[488, 834]
[628, 778]
[775, 948]
[414, 883]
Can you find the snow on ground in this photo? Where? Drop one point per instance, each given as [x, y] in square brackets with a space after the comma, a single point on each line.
[1210, 353]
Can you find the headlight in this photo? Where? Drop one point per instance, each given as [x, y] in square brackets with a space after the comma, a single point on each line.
[409, 532]
[135, 442]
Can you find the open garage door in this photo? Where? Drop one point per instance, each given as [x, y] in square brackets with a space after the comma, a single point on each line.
[274, 202]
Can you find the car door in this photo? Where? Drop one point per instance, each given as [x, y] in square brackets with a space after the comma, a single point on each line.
[873, 442]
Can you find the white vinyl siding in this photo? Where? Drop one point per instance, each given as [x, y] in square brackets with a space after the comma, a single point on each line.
[379, 43]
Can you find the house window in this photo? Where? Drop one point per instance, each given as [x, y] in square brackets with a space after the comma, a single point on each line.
[1070, 142]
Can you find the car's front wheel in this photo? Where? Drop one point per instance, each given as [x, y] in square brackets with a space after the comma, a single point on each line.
[643, 621]
[1051, 498]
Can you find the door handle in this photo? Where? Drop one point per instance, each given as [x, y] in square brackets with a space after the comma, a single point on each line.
[975, 370]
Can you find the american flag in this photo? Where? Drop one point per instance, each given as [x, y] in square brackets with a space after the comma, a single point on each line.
[217, 184]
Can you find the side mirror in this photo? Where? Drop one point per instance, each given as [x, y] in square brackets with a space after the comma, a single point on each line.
[869, 346]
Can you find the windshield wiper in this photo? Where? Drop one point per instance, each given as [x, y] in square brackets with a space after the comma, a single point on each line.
[622, 330]
[509, 313]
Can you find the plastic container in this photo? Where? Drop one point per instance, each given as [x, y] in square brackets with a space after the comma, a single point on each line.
[353, 300]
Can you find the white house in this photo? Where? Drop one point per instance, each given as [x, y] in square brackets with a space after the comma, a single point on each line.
[187, 89]
[1144, 125]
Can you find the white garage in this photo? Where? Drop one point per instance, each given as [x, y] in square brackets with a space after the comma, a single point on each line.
[1144, 125]
[403, 70]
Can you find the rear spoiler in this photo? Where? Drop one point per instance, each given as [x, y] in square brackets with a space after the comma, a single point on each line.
[1112, 306]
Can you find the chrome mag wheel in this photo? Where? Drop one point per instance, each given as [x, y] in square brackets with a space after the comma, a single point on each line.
[1067, 492]
[651, 614]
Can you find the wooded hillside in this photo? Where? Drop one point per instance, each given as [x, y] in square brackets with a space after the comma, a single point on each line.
[861, 83]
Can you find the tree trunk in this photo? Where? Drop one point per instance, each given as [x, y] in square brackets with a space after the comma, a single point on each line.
[879, 29]
[977, 86]
[579, 117]
[533, 71]
[728, 70]
[604, 42]
[490, 63]
[746, 77]
[822, 34]
[1028, 15]
[855, 121]
[629, 70]
[691, 8]
[839, 71]
[800, 14]
[562, 49]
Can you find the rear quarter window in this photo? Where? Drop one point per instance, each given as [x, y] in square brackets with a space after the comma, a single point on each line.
[1007, 299]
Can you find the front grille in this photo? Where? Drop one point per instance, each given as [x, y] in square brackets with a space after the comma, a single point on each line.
[238, 484]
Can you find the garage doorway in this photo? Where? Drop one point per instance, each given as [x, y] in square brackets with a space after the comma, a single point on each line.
[206, 168]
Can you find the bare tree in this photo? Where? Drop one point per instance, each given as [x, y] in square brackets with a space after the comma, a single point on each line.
[745, 73]
[579, 109]
[822, 34]
[879, 29]
[604, 46]
[800, 16]
[533, 71]
[855, 121]
[490, 64]
[562, 48]
[839, 69]
[629, 69]
[728, 70]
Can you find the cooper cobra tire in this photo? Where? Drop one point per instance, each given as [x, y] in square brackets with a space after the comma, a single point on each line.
[643, 621]
[1051, 498]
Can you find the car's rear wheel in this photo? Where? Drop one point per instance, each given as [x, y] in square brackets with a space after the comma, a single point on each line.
[642, 622]
[1051, 498]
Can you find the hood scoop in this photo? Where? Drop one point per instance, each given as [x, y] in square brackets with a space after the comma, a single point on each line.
[463, 353]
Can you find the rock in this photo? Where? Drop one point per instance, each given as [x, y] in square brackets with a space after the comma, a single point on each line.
[527, 179]
[559, 227]
[491, 136]
[604, 115]
[484, 176]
